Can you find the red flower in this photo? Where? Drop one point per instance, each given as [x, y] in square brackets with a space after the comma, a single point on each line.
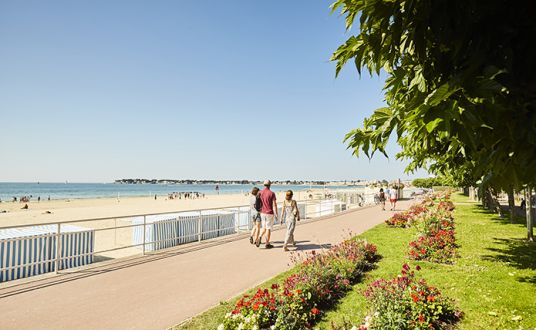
[421, 318]
[315, 311]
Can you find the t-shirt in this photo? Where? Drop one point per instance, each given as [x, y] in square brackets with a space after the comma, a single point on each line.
[393, 194]
[267, 198]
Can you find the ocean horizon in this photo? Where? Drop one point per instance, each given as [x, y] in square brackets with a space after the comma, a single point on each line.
[68, 190]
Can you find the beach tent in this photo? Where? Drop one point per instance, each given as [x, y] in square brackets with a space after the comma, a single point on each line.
[329, 206]
[167, 230]
[243, 216]
[29, 251]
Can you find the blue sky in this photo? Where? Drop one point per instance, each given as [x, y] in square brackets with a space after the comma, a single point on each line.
[92, 91]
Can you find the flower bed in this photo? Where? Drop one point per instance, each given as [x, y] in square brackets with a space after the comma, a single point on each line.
[296, 303]
[406, 302]
[436, 246]
[406, 218]
[436, 241]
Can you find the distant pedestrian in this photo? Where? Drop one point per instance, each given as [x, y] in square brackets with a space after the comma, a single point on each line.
[268, 212]
[382, 199]
[291, 214]
[217, 189]
[25, 207]
[38, 199]
[49, 197]
[392, 198]
[155, 197]
[255, 205]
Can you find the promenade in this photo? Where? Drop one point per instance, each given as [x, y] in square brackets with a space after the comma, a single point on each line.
[160, 290]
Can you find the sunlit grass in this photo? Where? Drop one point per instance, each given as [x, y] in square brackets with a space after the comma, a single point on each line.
[493, 281]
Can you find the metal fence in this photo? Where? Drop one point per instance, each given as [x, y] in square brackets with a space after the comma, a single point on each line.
[29, 250]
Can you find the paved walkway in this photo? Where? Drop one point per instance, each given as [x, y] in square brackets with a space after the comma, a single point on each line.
[158, 291]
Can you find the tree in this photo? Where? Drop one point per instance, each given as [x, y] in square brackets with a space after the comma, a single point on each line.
[460, 88]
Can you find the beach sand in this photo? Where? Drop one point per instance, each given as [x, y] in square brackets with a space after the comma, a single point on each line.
[107, 235]
[79, 209]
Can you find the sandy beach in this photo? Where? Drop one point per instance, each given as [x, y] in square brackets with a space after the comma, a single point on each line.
[80, 209]
[114, 234]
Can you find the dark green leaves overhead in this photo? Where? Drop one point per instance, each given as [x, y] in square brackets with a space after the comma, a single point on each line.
[461, 86]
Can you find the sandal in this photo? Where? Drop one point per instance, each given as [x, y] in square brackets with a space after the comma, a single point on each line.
[258, 242]
[250, 239]
[268, 246]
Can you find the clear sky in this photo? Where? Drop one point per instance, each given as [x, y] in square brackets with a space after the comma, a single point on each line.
[92, 91]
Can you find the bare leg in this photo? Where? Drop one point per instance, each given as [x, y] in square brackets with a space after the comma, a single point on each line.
[257, 231]
[268, 234]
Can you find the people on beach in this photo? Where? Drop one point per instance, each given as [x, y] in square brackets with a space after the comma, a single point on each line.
[268, 212]
[382, 199]
[392, 199]
[291, 214]
[25, 207]
[255, 205]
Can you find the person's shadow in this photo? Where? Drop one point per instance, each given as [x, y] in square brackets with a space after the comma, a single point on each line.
[302, 245]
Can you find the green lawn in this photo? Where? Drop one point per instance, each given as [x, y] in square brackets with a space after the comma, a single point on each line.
[493, 282]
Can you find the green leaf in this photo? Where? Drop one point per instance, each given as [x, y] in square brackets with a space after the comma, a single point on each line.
[433, 124]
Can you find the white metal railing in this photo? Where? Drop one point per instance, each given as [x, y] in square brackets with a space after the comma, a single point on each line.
[152, 232]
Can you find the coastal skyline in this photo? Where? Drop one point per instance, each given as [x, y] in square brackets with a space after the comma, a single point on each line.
[93, 92]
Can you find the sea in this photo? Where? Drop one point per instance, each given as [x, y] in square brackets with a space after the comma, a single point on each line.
[68, 190]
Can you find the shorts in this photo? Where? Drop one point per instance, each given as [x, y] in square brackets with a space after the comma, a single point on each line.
[267, 221]
[393, 200]
[256, 217]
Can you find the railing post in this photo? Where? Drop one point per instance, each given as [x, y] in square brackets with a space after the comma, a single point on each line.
[58, 240]
[200, 226]
[237, 220]
[144, 230]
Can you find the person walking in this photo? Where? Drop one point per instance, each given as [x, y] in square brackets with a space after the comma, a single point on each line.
[255, 205]
[392, 198]
[268, 212]
[291, 214]
[382, 199]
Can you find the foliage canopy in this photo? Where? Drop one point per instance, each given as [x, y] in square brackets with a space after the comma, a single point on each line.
[461, 85]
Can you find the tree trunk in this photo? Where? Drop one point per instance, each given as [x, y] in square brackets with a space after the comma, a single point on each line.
[528, 207]
[511, 205]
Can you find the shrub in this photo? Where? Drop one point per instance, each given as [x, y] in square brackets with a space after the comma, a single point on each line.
[320, 279]
[400, 219]
[436, 246]
[407, 218]
[406, 302]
